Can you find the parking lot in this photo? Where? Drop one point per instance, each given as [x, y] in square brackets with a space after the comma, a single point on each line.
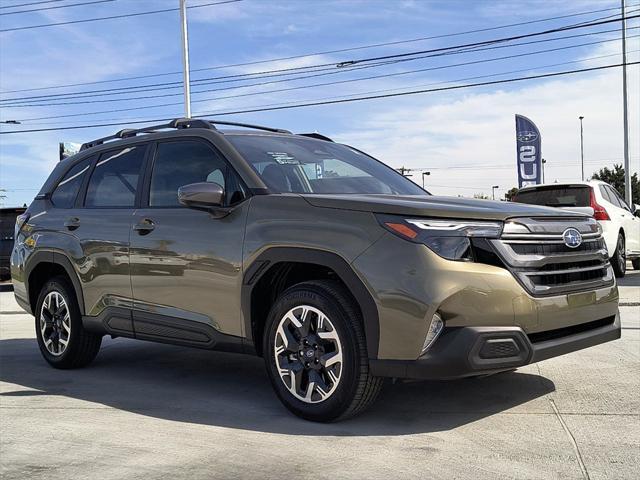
[144, 410]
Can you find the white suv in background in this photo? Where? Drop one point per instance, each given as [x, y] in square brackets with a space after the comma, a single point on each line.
[619, 221]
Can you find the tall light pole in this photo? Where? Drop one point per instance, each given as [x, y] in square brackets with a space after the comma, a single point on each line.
[493, 191]
[543, 161]
[625, 121]
[185, 59]
[581, 147]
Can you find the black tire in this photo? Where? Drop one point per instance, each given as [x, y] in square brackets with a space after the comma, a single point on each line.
[357, 388]
[83, 346]
[635, 263]
[619, 258]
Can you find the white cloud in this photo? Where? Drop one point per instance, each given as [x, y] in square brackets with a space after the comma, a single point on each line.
[478, 129]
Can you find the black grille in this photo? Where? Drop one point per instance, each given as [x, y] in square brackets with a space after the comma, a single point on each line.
[558, 279]
[534, 251]
[552, 267]
[499, 348]
[556, 248]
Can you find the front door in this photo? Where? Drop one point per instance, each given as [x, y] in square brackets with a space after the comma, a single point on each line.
[186, 264]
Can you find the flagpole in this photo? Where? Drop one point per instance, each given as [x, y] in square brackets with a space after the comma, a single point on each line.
[185, 59]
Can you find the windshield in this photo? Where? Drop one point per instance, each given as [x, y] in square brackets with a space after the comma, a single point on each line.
[556, 196]
[305, 165]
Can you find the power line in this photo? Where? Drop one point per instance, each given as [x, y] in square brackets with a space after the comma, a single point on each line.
[351, 64]
[326, 52]
[31, 3]
[442, 67]
[28, 102]
[56, 7]
[333, 102]
[267, 74]
[113, 17]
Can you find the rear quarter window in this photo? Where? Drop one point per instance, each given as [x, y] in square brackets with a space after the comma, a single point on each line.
[64, 196]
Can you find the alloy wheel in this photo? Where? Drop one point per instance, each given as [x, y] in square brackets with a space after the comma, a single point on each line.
[308, 354]
[622, 255]
[55, 323]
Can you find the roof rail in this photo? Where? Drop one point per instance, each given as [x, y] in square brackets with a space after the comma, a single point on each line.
[177, 123]
[132, 132]
[248, 125]
[317, 136]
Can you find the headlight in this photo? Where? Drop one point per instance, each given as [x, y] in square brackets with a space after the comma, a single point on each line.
[448, 238]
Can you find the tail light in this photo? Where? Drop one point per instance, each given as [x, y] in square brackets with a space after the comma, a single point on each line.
[599, 212]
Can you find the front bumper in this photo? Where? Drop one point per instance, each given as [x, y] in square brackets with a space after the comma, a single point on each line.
[471, 351]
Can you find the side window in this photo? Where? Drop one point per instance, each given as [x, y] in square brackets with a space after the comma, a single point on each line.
[617, 199]
[180, 163]
[613, 198]
[115, 178]
[64, 196]
[605, 193]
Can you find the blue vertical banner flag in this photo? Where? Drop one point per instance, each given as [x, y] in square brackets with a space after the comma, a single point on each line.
[529, 152]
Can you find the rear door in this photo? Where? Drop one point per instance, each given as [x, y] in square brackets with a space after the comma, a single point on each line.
[186, 264]
[630, 222]
[102, 225]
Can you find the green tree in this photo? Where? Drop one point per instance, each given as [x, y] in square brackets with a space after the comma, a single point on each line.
[615, 178]
[510, 194]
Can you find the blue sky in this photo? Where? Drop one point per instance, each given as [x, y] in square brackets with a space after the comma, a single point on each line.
[469, 129]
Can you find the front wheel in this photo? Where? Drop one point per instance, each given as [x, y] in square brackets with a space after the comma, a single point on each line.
[62, 339]
[315, 353]
[619, 258]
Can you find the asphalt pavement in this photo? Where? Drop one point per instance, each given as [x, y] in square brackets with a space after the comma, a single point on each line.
[151, 411]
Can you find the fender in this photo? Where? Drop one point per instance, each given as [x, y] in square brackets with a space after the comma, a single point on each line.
[330, 260]
[52, 256]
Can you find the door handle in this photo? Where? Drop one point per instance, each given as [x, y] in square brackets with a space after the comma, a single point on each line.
[72, 223]
[144, 226]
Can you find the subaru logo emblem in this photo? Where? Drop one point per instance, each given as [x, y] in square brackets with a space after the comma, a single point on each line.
[527, 136]
[572, 238]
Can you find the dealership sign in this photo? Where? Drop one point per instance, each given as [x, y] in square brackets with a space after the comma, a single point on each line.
[529, 152]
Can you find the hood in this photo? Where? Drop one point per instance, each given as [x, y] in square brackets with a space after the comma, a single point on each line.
[434, 206]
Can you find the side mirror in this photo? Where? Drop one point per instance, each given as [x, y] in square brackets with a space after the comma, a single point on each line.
[203, 195]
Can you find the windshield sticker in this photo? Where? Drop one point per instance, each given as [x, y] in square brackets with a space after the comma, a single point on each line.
[283, 158]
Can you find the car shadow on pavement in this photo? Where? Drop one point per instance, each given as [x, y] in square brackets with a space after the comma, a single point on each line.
[233, 391]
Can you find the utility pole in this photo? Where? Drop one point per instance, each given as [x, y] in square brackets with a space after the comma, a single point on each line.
[581, 147]
[625, 121]
[185, 59]
[543, 162]
[493, 191]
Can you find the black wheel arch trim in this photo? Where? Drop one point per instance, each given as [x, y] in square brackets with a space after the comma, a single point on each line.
[339, 265]
[57, 258]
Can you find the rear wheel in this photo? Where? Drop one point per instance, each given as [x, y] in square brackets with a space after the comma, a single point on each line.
[619, 257]
[62, 339]
[315, 353]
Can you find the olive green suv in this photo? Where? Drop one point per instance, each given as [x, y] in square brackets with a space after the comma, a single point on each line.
[333, 267]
